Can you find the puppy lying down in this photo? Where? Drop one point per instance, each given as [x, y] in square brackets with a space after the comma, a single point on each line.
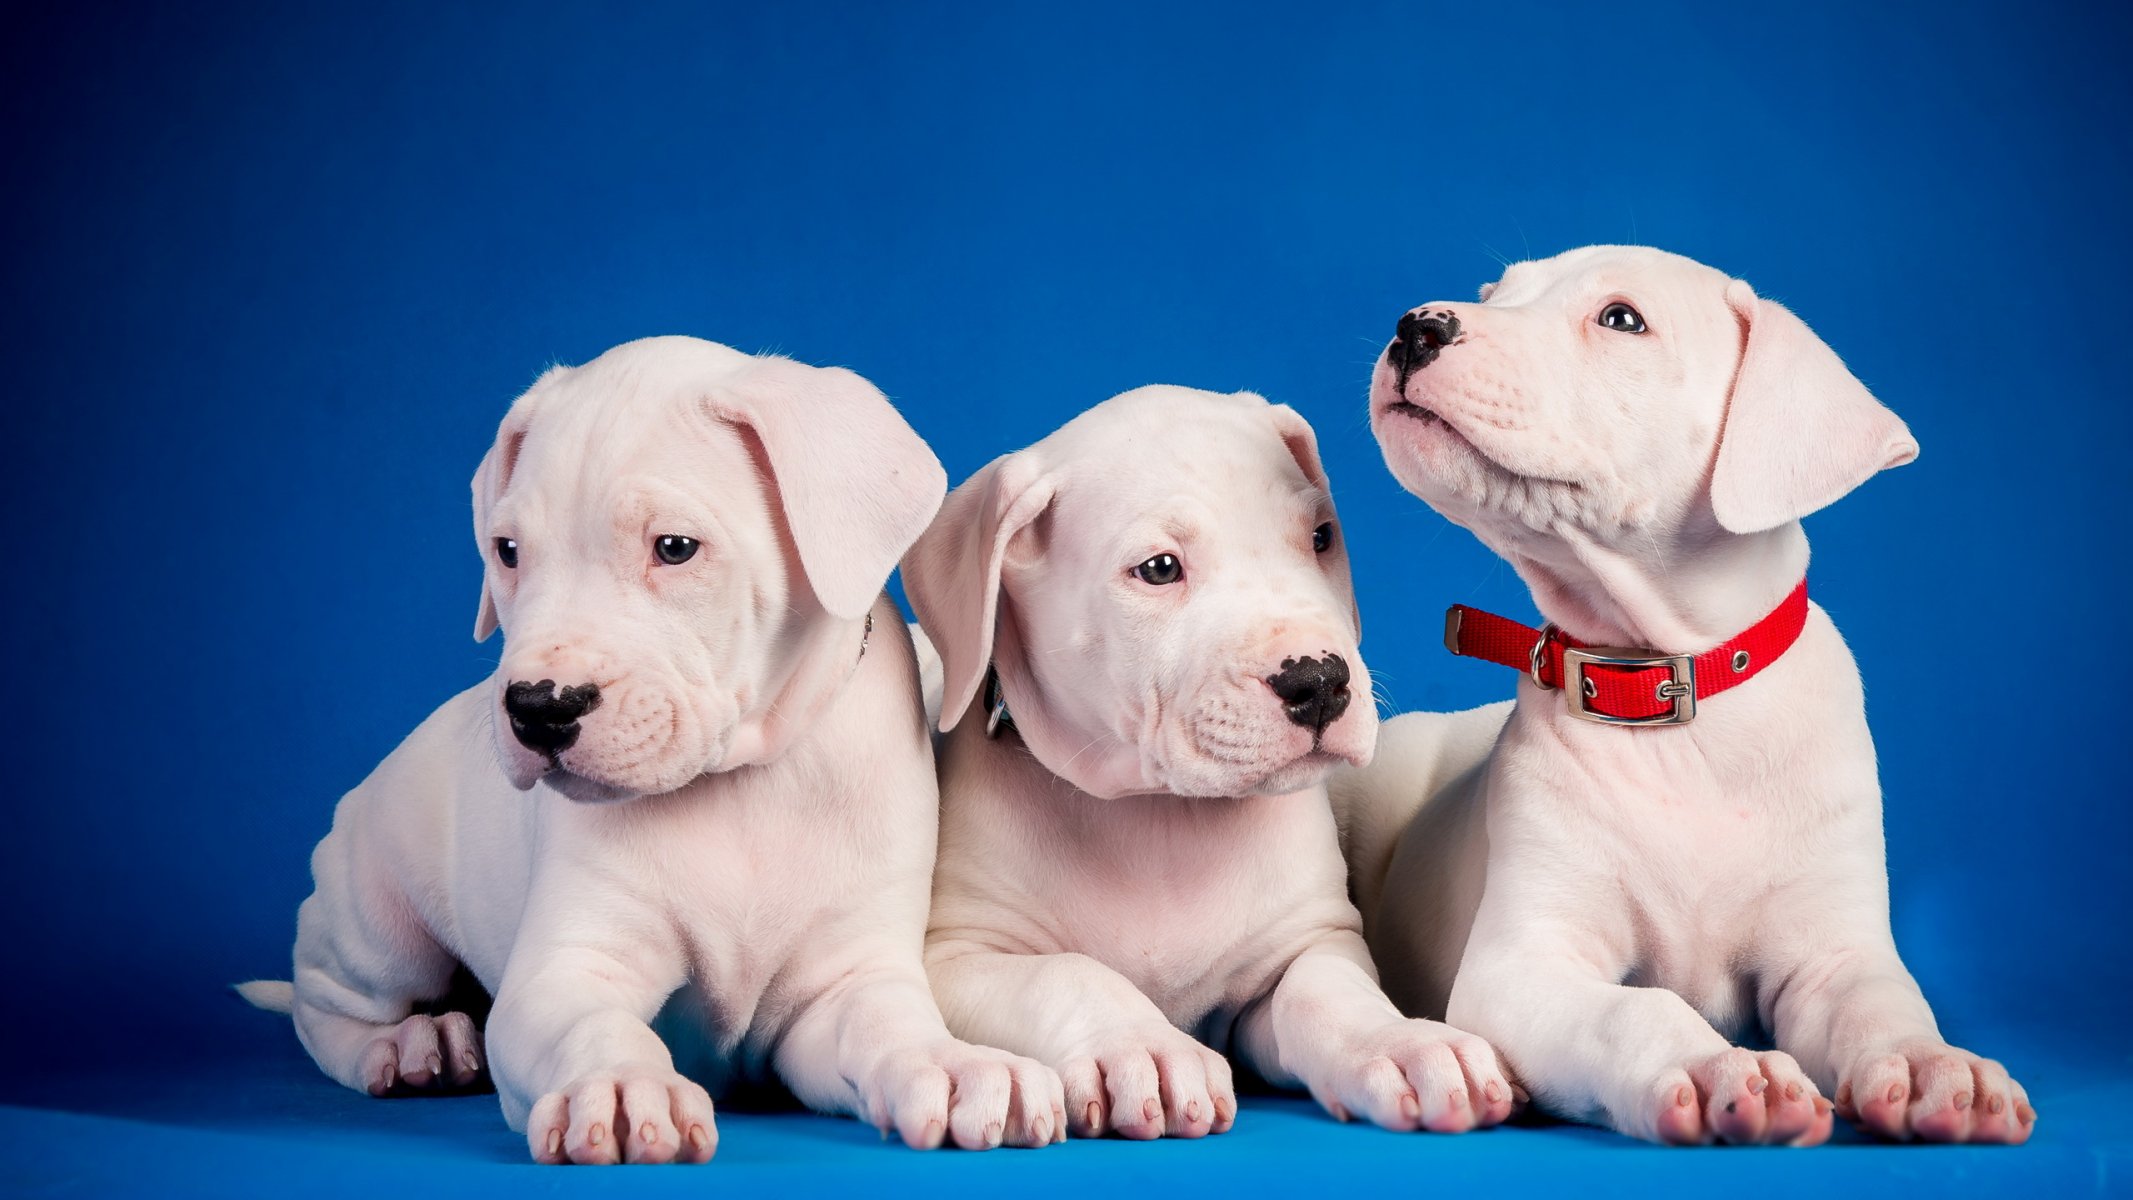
[684, 835]
[1660, 856]
[1148, 644]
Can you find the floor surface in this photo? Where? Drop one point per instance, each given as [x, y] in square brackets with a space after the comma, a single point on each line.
[269, 1123]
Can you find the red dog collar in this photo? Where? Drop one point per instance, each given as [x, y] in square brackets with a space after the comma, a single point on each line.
[1624, 687]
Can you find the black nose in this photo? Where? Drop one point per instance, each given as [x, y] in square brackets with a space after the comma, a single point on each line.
[1313, 691]
[1419, 338]
[544, 719]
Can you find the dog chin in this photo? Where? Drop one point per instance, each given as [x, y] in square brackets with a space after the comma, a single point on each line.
[585, 784]
[1228, 780]
[578, 789]
[1306, 772]
[1421, 431]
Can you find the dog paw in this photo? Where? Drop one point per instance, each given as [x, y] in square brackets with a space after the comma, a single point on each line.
[1742, 1098]
[627, 1115]
[423, 1053]
[1412, 1075]
[1151, 1083]
[973, 1096]
[1932, 1092]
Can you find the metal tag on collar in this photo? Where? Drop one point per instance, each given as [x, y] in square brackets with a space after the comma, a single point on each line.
[1679, 689]
[996, 719]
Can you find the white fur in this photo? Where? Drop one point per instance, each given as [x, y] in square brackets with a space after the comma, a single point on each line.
[1150, 858]
[1652, 894]
[736, 850]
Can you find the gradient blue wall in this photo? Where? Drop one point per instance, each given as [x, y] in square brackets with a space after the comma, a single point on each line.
[273, 277]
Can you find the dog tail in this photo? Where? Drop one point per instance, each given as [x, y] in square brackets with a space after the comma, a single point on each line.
[274, 995]
[932, 676]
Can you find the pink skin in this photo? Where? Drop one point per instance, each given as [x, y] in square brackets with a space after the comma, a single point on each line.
[644, 1119]
[1935, 1093]
[424, 1053]
[1742, 1099]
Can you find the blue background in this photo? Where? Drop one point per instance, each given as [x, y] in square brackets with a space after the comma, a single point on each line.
[274, 275]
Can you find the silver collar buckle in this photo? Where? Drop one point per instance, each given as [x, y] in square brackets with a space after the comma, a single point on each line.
[1679, 689]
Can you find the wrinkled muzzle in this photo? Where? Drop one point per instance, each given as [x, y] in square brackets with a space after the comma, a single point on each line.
[1276, 726]
[598, 734]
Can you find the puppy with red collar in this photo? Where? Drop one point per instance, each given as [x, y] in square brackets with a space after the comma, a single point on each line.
[1682, 839]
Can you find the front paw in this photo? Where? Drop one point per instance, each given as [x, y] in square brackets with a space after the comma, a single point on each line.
[976, 1096]
[630, 1114]
[1412, 1074]
[1149, 1083]
[1933, 1092]
[1735, 1096]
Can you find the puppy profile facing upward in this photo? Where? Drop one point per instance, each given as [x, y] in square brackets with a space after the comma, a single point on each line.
[684, 834]
[1148, 644]
[1639, 436]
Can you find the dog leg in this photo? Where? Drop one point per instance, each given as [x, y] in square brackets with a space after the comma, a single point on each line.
[874, 1046]
[1328, 1027]
[1125, 1068]
[1637, 1059]
[577, 1066]
[1856, 1019]
[364, 960]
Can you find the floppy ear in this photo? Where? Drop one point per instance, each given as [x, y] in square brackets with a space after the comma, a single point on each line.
[489, 480]
[1800, 430]
[1297, 434]
[856, 482]
[952, 575]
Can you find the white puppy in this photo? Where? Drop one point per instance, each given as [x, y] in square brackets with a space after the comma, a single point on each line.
[1639, 435]
[1149, 643]
[698, 787]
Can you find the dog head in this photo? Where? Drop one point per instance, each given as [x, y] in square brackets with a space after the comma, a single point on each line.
[1624, 398]
[680, 540]
[1163, 588]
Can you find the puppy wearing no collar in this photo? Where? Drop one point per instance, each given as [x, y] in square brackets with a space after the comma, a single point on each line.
[1149, 664]
[684, 835]
[1639, 435]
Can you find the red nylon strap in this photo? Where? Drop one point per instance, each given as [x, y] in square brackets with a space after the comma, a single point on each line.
[1626, 693]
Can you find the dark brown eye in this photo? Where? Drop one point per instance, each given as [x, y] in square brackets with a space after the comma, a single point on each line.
[1160, 570]
[1322, 538]
[674, 549]
[507, 553]
[1621, 318]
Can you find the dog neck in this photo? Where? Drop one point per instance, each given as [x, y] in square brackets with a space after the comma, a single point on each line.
[834, 652]
[1689, 595]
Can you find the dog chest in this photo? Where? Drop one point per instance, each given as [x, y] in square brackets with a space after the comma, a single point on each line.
[1200, 903]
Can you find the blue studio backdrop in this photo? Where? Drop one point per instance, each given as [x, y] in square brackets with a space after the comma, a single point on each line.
[274, 272]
